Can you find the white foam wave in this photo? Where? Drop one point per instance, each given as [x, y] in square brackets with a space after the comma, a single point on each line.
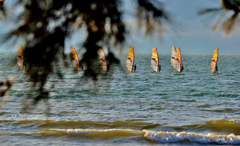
[86, 131]
[166, 137]
[162, 137]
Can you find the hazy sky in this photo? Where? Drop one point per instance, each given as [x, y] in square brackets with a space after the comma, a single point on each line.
[191, 32]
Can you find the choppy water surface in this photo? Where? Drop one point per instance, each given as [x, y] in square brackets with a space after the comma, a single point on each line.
[143, 108]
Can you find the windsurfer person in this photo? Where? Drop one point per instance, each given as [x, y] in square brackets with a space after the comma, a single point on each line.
[186, 67]
[216, 70]
[135, 67]
[80, 65]
[159, 68]
[181, 69]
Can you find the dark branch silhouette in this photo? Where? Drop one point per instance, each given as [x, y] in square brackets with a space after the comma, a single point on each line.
[227, 25]
[47, 23]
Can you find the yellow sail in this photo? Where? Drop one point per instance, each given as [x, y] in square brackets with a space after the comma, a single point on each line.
[155, 60]
[102, 59]
[20, 57]
[75, 59]
[179, 58]
[130, 59]
[214, 60]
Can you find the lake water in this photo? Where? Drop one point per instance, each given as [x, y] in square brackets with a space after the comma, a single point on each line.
[142, 108]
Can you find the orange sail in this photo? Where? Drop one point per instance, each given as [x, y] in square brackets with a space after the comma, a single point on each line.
[20, 57]
[176, 59]
[102, 59]
[214, 61]
[75, 59]
[155, 60]
[130, 59]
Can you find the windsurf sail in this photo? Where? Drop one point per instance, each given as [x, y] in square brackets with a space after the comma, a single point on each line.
[155, 60]
[214, 61]
[130, 59]
[102, 59]
[176, 59]
[20, 57]
[75, 59]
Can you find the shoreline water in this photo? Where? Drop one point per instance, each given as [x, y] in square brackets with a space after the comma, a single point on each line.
[145, 107]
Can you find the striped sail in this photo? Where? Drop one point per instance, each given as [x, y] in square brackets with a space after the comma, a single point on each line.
[130, 59]
[20, 57]
[214, 60]
[102, 59]
[176, 59]
[155, 60]
[75, 59]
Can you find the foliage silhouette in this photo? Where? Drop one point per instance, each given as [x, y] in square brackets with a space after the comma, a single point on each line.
[47, 23]
[226, 25]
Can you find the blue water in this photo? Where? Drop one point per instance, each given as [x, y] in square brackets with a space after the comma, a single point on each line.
[143, 108]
